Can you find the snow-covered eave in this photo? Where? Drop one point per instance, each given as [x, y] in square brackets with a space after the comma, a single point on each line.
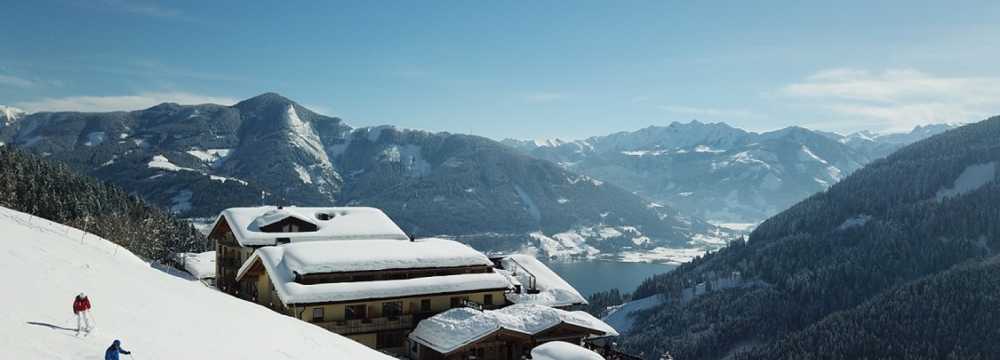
[548, 282]
[590, 324]
[280, 280]
[247, 265]
[446, 351]
[516, 299]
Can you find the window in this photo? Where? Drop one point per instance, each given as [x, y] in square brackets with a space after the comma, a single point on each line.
[425, 305]
[355, 312]
[488, 299]
[392, 309]
[317, 314]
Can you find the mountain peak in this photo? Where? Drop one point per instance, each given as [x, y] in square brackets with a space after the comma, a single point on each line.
[269, 96]
[265, 99]
[8, 115]
[268, 102]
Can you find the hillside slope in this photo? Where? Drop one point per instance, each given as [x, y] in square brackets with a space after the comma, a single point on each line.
[928, 208]
[155, 314]
[53, 191]
[899, 324]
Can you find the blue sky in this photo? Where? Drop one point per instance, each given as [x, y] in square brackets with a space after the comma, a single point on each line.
[534, 69]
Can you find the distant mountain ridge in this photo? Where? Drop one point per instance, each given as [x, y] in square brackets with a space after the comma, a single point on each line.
[719, 172]
[198, 159]
[896, 261]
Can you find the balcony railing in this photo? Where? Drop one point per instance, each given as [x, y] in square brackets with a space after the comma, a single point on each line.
[346, 327]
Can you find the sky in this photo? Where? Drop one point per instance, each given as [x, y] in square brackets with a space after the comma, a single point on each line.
[511, 69]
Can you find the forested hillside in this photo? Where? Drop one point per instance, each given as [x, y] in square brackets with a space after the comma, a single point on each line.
[831, 259]
[52, 191]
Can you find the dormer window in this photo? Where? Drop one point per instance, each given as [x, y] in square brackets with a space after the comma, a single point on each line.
[290, 224]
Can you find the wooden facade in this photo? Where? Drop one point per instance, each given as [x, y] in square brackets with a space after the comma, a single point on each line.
[381, 323]
[229, 256]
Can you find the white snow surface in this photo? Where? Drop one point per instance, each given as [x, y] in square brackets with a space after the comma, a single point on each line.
[303, 174]
[971, 179]
[212, 157]
[94, 138]
[553, 290]
[161, 162]
[199, 265]
[155, 314]
[301, 134]
[314, 257]
[663, 254]
[854, 221]
[291, 292]
[452, 329]
[346, 223]
[8, 115]
[622, 317]
[561, 350]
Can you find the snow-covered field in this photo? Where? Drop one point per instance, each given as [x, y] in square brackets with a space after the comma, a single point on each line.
[662, 255]
[155, 314]
[622, 317]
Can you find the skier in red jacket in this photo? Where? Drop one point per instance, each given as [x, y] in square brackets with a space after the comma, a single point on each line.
[81, 307]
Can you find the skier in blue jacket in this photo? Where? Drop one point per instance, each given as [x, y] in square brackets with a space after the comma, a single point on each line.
[114, 350]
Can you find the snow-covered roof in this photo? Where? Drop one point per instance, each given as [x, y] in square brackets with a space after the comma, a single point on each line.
[199, 265]
[553, 290]
[561, 350]
[455, 328]
[280, 263]
[342, 223]
[316, 257]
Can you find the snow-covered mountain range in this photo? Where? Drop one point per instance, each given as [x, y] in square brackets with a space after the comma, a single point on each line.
[198, 159]
[719, 172]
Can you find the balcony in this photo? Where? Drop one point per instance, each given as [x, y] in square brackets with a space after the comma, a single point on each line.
[347, 327]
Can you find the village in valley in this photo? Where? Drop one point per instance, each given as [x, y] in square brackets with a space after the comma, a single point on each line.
[354, 272]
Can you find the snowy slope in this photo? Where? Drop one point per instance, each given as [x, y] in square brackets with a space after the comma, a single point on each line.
[155, 314]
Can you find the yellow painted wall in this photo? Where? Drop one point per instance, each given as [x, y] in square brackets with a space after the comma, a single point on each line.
[335, 312]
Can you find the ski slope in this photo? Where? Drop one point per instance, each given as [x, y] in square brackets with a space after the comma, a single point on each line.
[155, 314]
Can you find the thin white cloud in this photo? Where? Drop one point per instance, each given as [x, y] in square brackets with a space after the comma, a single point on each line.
[144, 8]
[710, 112]
[539, 97]
[8, 80]
[122, 102]
[898, 99]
